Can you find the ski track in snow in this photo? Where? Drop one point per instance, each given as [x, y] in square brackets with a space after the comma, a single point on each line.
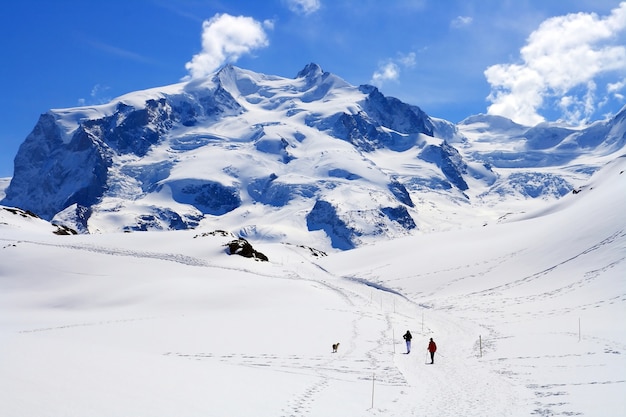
[171, 257]
[537, 275]
[98, 323]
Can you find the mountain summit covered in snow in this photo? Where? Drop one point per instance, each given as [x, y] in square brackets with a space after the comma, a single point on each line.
[267, 156]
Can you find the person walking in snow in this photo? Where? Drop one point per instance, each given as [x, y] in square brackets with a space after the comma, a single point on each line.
[407, 336]
[432, 348]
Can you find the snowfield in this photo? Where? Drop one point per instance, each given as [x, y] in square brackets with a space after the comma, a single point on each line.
[528, 315]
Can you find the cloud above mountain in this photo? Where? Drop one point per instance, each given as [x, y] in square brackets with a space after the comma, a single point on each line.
[225, 39]
[390, 69]
[573, 63]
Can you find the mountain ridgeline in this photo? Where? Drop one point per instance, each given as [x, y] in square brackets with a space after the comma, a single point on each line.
[272, 157]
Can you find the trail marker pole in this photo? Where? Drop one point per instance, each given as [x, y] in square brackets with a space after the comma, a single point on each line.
[373, 377]
[480, 344]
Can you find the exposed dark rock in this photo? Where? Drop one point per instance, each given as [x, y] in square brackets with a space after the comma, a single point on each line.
[64, 230]
[448, 159]
[323, 216]
[400, 215]
[222, 233]
[401, 193]
[242, 247]
[312, 251]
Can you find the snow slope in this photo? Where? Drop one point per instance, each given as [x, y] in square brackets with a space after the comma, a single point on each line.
[167, 323]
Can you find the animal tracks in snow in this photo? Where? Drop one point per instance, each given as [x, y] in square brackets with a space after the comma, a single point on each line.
[324, 372]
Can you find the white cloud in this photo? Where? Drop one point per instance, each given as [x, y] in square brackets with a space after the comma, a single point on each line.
[226, 38]
[616, 89]
[97, 90]
[97, 94]
[560, 64]
[268, 24]
[575, 108]
[304, 7]
[386, 72]
[389, 70]
[408, 61]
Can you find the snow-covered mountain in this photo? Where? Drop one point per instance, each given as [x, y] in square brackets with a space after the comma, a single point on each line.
[268, 156]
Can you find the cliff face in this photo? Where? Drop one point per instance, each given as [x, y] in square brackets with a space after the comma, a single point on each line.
[51, 174]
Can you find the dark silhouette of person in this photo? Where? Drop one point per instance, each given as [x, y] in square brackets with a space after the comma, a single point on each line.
[407, 336]
[432, 348]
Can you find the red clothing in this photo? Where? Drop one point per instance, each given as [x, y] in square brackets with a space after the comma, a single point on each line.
[432, 347]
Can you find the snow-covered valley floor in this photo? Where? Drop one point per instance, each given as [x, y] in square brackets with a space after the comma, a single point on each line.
[528, 317]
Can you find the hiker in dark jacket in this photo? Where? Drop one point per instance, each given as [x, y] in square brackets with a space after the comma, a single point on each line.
[407, 336]
[432, 348]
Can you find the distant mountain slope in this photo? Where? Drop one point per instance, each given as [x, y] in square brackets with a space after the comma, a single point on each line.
[273, 157]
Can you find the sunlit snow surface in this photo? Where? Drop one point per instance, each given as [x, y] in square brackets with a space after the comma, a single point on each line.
[169, 324]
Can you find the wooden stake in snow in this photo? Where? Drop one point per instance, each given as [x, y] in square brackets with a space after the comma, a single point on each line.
[373, 377]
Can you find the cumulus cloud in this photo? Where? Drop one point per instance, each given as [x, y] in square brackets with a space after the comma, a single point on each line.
[560, 66]
[615, 88]
[389, 70]
[303, 7]
[225, 39]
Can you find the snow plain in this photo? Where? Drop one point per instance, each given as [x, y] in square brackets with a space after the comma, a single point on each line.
[528, 315]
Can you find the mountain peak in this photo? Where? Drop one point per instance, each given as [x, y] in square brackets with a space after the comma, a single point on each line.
[312, 70]
[495, 121]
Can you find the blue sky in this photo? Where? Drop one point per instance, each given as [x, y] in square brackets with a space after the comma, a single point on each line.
[530, 60]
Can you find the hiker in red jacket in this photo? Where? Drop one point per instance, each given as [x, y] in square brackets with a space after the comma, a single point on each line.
[432, 348]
